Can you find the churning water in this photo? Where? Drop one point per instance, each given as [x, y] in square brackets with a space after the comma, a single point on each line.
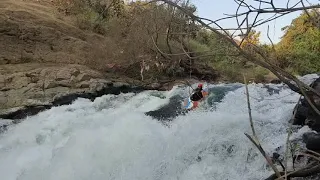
[112, 138]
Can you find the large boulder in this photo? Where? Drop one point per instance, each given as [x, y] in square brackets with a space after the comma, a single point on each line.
[305, 114]
[312, 141]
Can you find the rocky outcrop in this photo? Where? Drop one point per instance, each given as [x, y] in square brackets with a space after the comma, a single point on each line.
[305, 115]
[27, 89]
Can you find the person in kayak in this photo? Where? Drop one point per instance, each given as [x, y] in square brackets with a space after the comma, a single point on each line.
[197, 95]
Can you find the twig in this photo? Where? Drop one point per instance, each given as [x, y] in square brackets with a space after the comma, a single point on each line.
[249, 107]
[264, 154]
[288, 137]
[303, 172]
[254, 139]
[310, 151]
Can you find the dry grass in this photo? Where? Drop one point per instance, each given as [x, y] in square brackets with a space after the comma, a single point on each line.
[34, 34]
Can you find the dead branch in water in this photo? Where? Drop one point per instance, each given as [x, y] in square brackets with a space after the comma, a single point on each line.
[304, 172]
[249, 107]
[288, 137]
[310, 169]
[255, 139]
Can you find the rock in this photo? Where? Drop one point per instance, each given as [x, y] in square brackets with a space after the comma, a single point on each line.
[83, 77]
[63, 74]
[120, 84]
[312, 141]
[20, 82]
[169, 111]
[51, 88]
[271, 90]
[155, 85]
[300, 117]
[50, 84]
[57, 90]
[35, 84]
[64, 83]
[2, 81]
[4, 124]
[44, 72]
[305, 114]
[275, 81]
[84, 84]
[73, 79]
[74, 72]
[98, 84]
[33, 76]
[3, 98]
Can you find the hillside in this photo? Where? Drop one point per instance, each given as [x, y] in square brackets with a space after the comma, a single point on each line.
[32, 31]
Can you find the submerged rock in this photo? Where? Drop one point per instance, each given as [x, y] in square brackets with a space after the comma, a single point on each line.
[4, 124]
[169, 111]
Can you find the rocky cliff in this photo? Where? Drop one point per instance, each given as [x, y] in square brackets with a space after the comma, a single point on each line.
[44, 58]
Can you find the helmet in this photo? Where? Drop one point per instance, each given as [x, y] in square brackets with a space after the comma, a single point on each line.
[199, 85]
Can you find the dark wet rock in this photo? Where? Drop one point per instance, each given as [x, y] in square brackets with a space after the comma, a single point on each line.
[198, 159]
[272, 90]
[301, 114]
[22, 113]
[275, 81]
[305, 114]
[169, 111]
[4, 125]
[312, 141]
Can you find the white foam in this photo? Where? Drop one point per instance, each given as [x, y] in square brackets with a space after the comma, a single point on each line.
[112, 138]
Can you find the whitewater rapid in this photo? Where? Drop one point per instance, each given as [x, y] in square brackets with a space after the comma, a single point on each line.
[111, 138]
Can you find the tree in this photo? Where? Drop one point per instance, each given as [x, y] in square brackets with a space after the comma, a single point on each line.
[300, 44]
[251, 38]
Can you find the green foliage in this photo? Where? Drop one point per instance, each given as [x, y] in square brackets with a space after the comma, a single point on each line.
[251, 38]
[299, 48]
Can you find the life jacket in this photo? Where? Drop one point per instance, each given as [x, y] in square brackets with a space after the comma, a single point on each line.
[196, 96]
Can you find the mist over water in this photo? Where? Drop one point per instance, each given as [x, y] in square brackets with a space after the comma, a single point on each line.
[112, 138]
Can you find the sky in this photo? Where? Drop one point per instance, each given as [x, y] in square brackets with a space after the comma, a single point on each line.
[215, 9]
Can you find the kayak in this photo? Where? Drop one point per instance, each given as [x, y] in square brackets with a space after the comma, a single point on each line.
[191, 105]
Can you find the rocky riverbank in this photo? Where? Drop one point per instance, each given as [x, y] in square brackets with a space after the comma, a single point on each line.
[305, 115]
[308, 139]
[26, 89]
